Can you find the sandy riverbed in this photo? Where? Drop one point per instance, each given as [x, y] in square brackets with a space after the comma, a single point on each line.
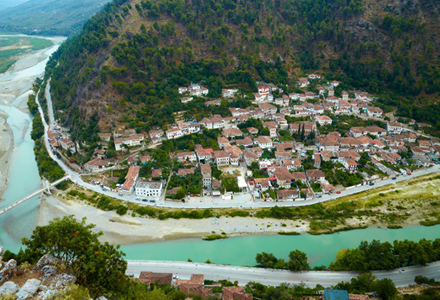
[126, 230]
[21, 75]
[14, 90]
[6, 148]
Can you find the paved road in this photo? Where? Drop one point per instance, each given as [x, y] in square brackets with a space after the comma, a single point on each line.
[401, 277]
[76, 178]
[49, 105]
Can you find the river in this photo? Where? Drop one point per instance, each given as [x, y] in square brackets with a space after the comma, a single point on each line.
[241, 251]
[23, 171]
[24, 179]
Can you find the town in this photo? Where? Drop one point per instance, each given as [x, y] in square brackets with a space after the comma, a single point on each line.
[280, 147]
[226, 290]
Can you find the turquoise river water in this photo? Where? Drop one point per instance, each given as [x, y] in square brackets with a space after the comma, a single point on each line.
[321, 249]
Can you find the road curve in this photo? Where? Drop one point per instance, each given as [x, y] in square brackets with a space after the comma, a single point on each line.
[401, 277]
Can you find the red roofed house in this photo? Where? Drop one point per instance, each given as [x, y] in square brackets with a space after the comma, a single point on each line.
[97, 164]
[235, 293]
[287, 194]
[159, 278]
[130, 180]
[315, 175]
[350, 165]
[323, 120]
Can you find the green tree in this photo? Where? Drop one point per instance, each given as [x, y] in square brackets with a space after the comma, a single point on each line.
[98, 267]
[297, 261]
[266, 260]
[386, 288]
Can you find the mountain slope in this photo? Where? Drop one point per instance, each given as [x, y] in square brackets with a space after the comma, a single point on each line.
[49, 17]
[127, 63]
[10, 3]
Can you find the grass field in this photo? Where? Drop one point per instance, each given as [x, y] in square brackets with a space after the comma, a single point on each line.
[13, 46]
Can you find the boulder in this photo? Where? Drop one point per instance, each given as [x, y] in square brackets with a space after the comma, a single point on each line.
[9, 270]
[46, 259]
[28, 289]
[9, 287]
[48, 271]
[61, 281]
[47, 294]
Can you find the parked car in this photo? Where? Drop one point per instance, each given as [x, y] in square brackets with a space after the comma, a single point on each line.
[338, 192]
[371, 183]
[153, 201]
[145, 200]
[409, 173]
[394, 178]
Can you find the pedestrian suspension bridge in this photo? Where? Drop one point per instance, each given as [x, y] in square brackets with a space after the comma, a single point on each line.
[46, 188]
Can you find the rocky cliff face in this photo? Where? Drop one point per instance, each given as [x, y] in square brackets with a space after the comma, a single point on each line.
[44, 281]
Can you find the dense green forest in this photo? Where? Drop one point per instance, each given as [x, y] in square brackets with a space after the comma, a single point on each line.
[129, 59]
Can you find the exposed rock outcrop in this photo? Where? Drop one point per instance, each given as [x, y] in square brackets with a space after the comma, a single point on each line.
[61, 281]
[45, 260]
[28, 289]
[9, 270]
[48, 271]
[9, 287]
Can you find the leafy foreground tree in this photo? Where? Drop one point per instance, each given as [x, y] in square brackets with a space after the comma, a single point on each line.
[386, 288]
[98, 267]
[297, 261]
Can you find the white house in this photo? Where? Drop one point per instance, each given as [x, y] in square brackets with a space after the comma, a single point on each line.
[323, 120]
[303, 82]
[131, 141]
[350, 165]
[229, 93]
[174, 133]
[263, 90]
[150, 189]
[374, 112]
[259, 98]
[394, 128]
[186, 99]
[264, 142]
[221, 158]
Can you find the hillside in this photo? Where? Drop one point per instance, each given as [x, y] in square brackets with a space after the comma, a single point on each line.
[126, 65]
[48, 17]
[10, 3]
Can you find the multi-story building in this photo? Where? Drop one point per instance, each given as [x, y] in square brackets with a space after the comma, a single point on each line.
[206, 171]
[151, 189]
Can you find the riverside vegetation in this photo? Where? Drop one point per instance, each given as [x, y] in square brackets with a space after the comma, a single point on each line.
[47, 167]
[100, 268]
[384, 206]
[366, 257]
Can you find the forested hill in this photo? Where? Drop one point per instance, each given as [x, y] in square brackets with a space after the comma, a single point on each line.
[127, 63]
[9, 3]
[48, 17]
